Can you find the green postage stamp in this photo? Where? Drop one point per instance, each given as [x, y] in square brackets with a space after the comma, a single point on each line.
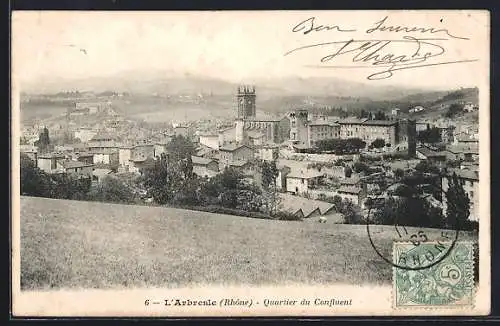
[433, 274]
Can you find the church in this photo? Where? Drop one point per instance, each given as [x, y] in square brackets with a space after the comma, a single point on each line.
[254, 131]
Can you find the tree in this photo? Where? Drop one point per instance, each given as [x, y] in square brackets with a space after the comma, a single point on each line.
[457, 203]
[171, 179]
[157, 181]
[112, 190]
[364, 114]
[269, 174]
[407, 211]
[180, 148]
[399, 173]
[43, 142]
[65, 186]
[453, 110]
[377, 143]
[223, 188]
[380, 115]
[34, 182]
[355, 144]
[426, 166]
[359, 167]
[429, 136]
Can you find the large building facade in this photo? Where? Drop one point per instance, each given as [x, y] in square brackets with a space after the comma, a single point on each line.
[306, 132]
[369, 130]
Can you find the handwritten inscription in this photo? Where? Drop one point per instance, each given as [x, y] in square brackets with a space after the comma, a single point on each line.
[308, 26]
[391, 54]
[381, 27]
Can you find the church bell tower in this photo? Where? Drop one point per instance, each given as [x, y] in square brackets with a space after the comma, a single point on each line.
[246, 102]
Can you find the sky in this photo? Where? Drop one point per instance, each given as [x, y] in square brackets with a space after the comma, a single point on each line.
[239, 46]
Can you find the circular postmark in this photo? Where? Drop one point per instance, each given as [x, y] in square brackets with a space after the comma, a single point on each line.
[394, 214]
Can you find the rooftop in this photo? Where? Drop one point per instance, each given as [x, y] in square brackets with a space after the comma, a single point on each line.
[380, 123]
[105, 151]
[352, 120]
[466, 174]
[430, 153]
[238, 163]
[74, 164]
[103, 136]
[83, 154]
[201, 160]
[349, 190]
[101, 172]
[353, 180]
[232, 147]
[292, 204]
[463, 148]
[305, 174]
[51, 155]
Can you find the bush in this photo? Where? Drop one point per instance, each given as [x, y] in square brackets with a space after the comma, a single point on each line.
[282, 216]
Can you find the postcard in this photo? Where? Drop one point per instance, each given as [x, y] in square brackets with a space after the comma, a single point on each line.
[250, 163]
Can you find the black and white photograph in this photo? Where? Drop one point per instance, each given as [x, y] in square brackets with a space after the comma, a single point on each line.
[240, 163]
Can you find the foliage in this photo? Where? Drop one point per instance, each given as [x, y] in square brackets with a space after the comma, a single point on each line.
[429, 136]
[399, 173]
[158, 182]
[379, 115]
[359, 167]
[43, 142]
[426, 166]
[453, 110]
[34, 182]
[341, 146]
[408, 211]
[348, 172]
[269, 174]
[113, 190]
[351, 215]
[377, 143]
[457, 203]
[171, 179]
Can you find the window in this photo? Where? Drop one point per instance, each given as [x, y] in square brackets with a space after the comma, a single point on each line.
[471, 194]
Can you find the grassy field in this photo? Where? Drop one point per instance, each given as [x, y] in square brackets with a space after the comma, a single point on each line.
[71, 244]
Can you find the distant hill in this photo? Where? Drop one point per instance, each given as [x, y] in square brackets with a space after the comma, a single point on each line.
[170, 83]
[149, 91]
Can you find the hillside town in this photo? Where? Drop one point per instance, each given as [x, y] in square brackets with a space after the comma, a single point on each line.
[360, 159]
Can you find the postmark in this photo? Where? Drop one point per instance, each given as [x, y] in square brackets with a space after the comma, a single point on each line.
[448, 283]
[439, 240]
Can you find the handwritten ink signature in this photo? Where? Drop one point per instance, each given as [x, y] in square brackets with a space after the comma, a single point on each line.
[309, 26]
[392, 54]
[379, 26]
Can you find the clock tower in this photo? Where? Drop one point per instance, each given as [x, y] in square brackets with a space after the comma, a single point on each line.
[246, 102]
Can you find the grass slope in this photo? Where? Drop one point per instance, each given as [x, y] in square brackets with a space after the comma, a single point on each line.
[67, 244]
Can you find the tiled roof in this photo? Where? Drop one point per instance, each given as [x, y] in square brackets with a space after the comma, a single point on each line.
[51, 155]
[352, 120]
[305, 174]
[430, 153]
[379, 123]
[232, 147]
[292, 204]
[349, 190]
[101, 172]
[74, 164]
[201, 160]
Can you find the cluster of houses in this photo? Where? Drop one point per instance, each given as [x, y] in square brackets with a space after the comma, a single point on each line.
[251, 139]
